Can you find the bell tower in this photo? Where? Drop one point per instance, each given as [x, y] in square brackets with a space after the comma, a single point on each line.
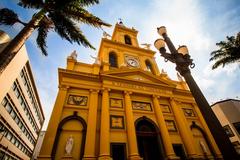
[123, 51]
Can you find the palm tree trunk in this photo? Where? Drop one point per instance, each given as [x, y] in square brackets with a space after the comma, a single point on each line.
[15, 44]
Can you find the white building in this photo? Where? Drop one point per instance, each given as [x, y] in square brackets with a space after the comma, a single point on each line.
[21, 114]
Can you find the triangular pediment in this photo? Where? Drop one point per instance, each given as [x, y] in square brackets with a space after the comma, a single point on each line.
[138, 75]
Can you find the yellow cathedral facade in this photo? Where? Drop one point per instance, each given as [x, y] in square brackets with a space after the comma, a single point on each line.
[122, 107]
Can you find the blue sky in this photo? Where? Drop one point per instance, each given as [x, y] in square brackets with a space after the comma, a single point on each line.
[199, 24]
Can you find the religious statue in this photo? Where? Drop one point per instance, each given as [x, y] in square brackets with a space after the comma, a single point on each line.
[146, 45]
[69, 145]
[106, 35]
[179, 77]
[204, 148]
[97, 59]
[73, 55]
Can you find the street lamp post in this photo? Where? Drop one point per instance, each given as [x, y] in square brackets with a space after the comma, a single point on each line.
[183, 61]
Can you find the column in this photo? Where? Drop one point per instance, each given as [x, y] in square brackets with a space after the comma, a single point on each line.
[163, 130]
[104, 130]
[206, 129]
[184, 130]
[131, 132]
[89, 152]
[49, 138]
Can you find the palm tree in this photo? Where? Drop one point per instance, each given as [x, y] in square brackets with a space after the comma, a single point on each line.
[61, 16]
[228, 52]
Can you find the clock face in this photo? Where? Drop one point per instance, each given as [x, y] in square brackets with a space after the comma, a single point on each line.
[132, 61]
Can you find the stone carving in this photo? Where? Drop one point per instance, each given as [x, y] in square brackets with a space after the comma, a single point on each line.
[117, 122]
[69, 145]
[141, 106]
[77, 100]
[116, 103]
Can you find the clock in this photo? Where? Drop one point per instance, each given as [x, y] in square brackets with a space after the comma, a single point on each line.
[132, 61]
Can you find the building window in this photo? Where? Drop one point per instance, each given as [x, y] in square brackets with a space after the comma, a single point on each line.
[9, 134]
[127, 40]
[237, 126]
[228, 131]
[149, 66]
[113, 59]
[4, 102]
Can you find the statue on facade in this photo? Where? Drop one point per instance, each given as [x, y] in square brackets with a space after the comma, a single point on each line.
[69, 145]
[106, 35]
[97, 59]
[73, 55]
[179, 77]
[146, 45]
[203, 146]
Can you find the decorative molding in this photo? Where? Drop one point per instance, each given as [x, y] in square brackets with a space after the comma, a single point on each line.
[171, 126]
[77, 100]
[127, 92]
[189, 112]
[105, 89]
[63, 87]
[155, 96]
[141, 88]
[116, 103]
[145, 106]
[116, 122]
[165, 108]
[94, 90]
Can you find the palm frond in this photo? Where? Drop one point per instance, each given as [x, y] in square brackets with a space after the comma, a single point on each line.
[37, 4]
[228, 52]
[8, 17]
[82, 3]
[218, 54]
[67, 29]
[223, 62]
[43, 29]
[82, 15]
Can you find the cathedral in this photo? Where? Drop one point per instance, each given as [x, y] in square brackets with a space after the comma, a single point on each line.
[123, 108]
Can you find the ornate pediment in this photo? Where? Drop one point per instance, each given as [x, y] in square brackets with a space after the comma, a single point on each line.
[138, 75]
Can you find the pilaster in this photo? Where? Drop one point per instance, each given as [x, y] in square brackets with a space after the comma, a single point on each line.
[131, 133]
[89, 152]
[55, 119]
[184, 130]
[163, 129]
[105, 124]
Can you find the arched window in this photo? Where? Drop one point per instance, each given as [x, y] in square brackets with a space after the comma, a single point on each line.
[113, 59]
[149, 66]
[127, 40]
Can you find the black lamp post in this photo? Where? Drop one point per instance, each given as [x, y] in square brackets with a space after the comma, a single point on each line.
[183, 61]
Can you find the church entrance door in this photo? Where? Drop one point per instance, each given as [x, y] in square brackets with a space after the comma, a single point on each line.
[149, 141]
